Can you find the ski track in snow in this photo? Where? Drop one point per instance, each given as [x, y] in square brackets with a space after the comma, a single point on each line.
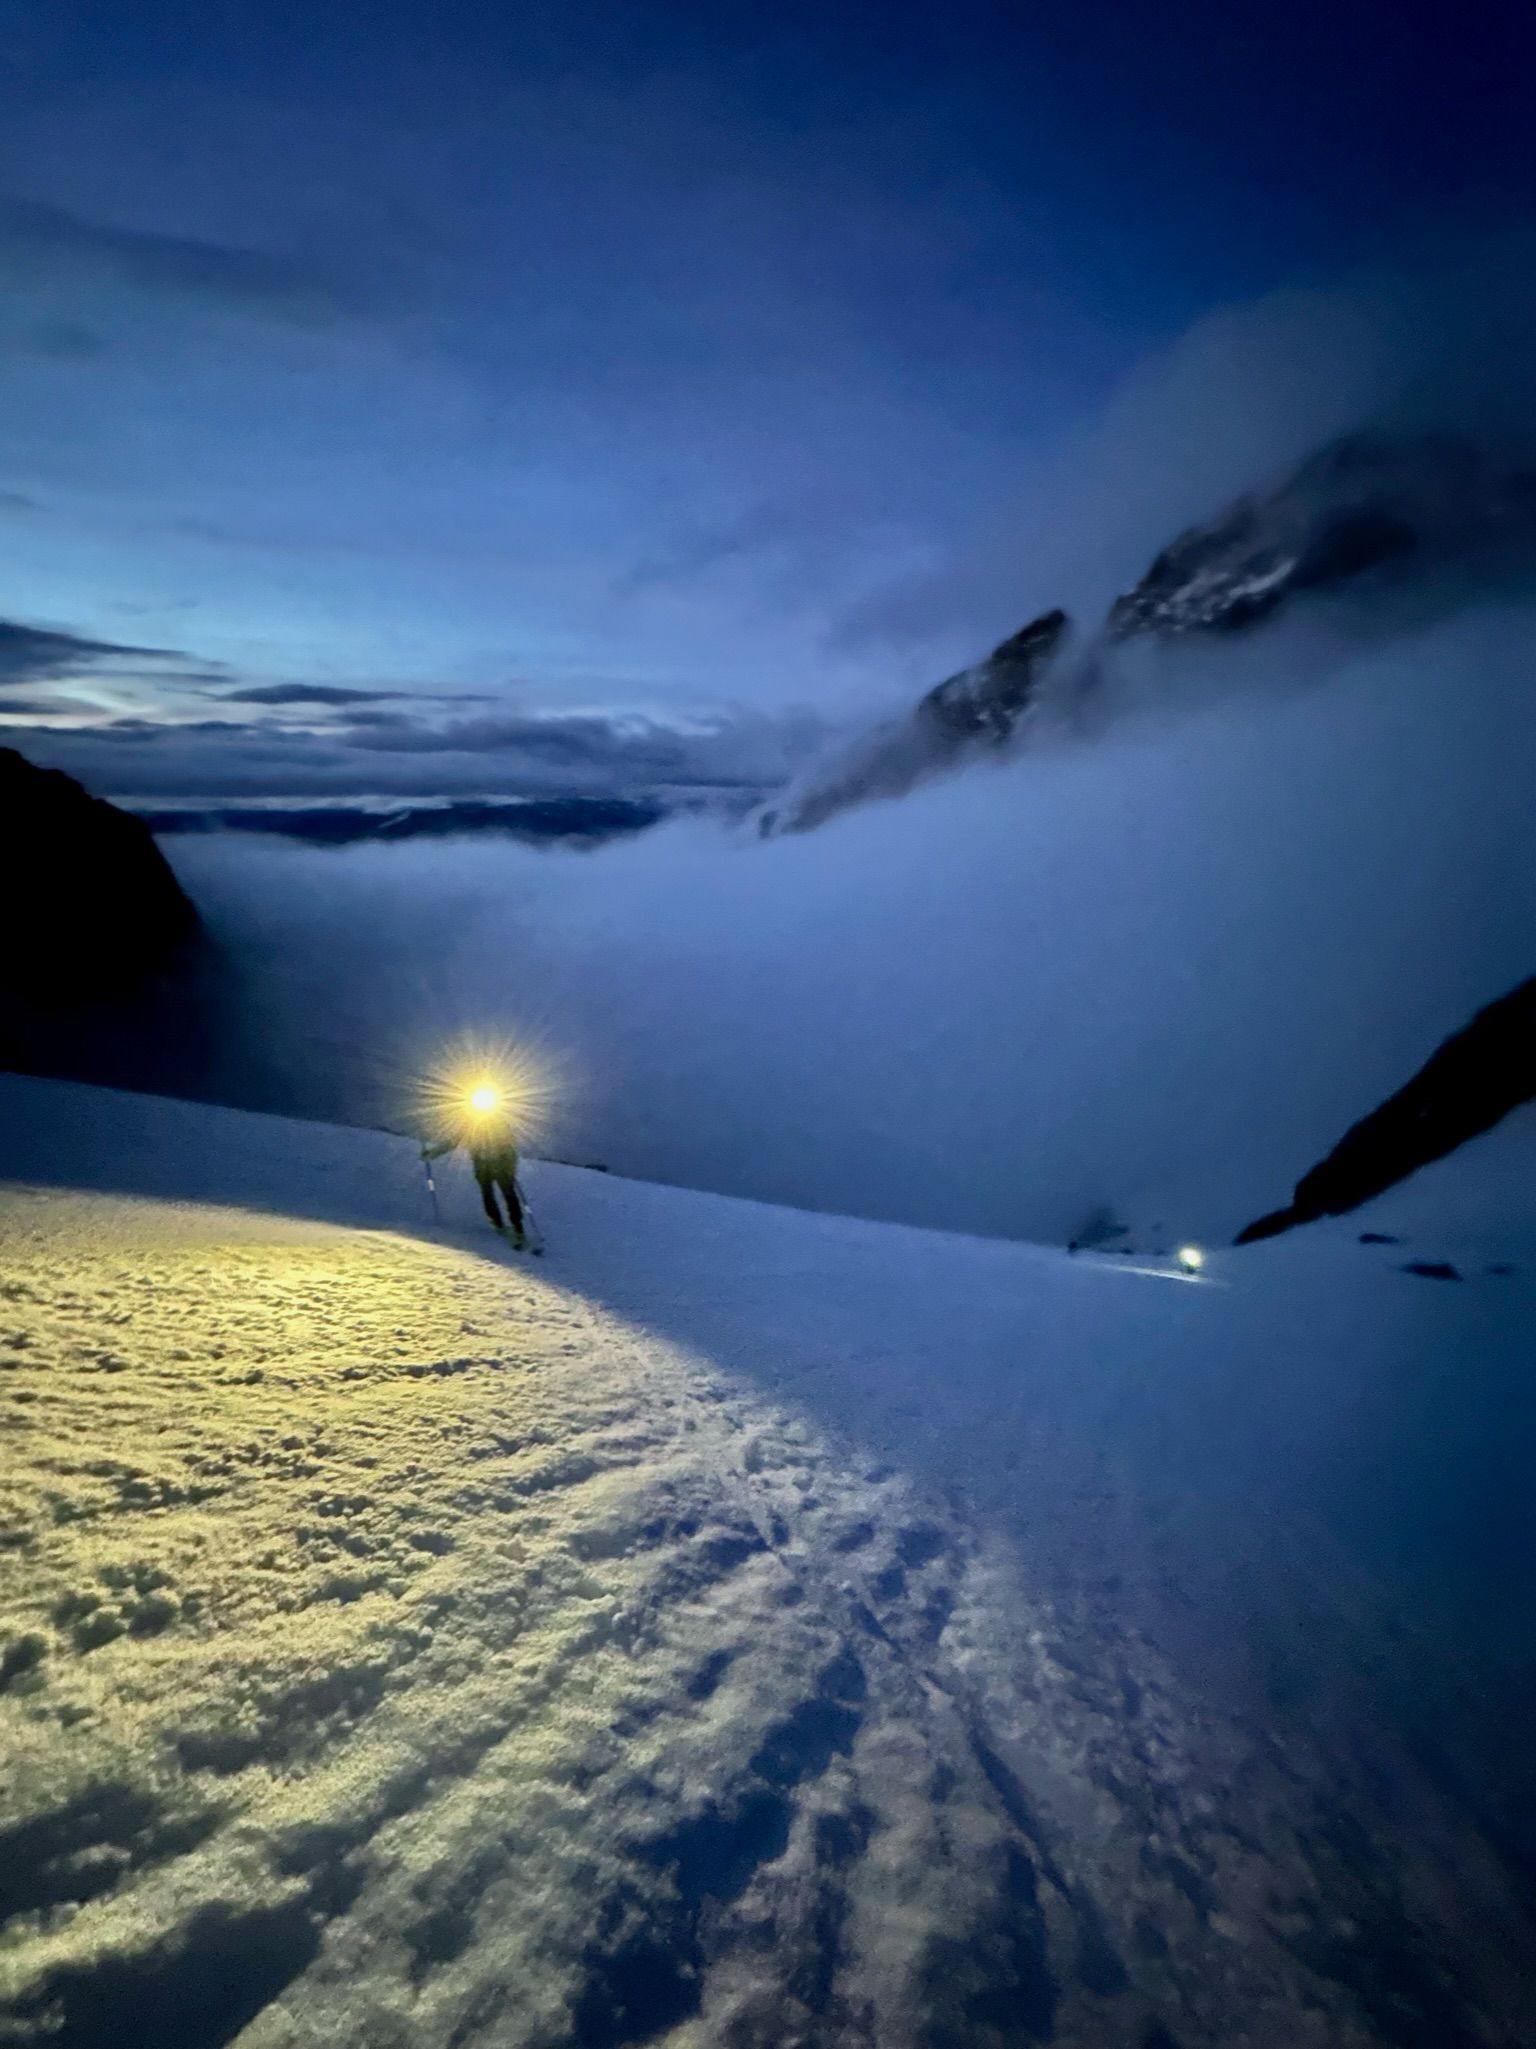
[403, 1646]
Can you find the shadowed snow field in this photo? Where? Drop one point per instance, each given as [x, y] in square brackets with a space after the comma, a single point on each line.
[744, 1626]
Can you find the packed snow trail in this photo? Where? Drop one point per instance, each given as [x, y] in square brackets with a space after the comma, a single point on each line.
[406, 1644]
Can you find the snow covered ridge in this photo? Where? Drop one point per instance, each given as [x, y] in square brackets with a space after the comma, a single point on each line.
[746, 1628]
[1362, 514]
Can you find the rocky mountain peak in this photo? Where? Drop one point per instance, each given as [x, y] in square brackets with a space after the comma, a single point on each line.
[1364, 503]
[1361, 511]
[985, 701]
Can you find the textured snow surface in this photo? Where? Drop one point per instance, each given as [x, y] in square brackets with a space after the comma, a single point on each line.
[742, 1627]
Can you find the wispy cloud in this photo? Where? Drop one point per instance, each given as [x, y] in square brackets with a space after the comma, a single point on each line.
[39, 239]
[608, 750]
[35, 654]
[63, 341]
[551, 736]
[29, 708]
[760, 530]
[42, 654]
[306, 693]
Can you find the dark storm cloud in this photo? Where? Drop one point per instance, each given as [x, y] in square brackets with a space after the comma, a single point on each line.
[38, 239]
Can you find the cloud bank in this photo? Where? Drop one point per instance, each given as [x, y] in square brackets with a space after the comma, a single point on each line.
[346, 743]
[1159, 973]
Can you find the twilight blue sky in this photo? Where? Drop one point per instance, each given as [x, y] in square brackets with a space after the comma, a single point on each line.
[569, 394]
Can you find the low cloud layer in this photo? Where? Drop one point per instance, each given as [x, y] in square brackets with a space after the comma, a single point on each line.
[1159, 972]
[202, 731]
[729, 749]
[347, 748]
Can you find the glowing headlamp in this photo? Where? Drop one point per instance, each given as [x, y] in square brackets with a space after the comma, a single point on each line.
[481, 1086]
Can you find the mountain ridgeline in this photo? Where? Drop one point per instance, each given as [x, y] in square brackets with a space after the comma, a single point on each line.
[532, 821]
[1366, 514]
[1467, 1086]
[104, 968]
[95, 910]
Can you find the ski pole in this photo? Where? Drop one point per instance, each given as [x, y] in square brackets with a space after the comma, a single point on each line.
[426, 1168]
[536, 1236]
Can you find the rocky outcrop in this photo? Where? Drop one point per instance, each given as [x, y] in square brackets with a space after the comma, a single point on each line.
[93, 911]
[987, 701]
[1359, 514]
[976, 710]
[1366, 505]
[1473, 1081]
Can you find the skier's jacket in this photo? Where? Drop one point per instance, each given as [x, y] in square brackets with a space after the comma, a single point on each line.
[493, 1155]
[493, 1158]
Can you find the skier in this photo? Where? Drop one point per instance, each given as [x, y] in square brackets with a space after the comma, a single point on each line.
[493, 1155]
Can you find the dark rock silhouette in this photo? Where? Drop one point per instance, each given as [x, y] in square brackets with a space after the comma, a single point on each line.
[1365, 503]
[1476, 1078]
[96, 929]
[94, 910]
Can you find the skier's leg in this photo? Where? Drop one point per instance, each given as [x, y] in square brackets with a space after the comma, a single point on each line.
[488, 1197]
[514, 1205]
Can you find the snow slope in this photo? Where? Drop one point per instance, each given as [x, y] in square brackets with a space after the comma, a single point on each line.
[744, 1626]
